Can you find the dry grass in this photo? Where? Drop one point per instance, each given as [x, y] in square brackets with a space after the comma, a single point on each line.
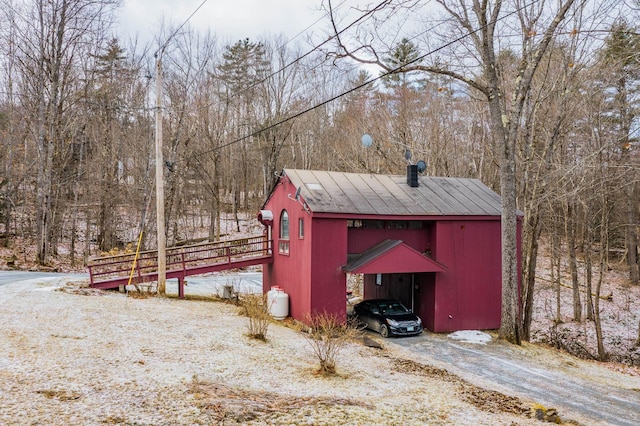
[225, 404]
[256, 309]
[60, 395]
[486, 400]
[328, 335]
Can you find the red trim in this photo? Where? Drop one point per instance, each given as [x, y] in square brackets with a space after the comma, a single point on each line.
[399, 217]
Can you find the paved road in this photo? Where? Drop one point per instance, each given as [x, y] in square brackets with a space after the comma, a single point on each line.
[243, 282]
[9, 277]
[510, 368]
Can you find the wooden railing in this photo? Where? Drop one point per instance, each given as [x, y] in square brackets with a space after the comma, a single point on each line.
[113, 271]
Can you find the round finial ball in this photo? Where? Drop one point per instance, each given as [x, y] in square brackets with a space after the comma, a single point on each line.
[367, 140]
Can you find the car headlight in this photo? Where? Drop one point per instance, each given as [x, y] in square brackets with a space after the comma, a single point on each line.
[393, 323]
[419, 321]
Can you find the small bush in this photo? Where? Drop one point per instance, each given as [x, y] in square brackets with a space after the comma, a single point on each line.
[256, 309]
[142, 290]
[327, 335]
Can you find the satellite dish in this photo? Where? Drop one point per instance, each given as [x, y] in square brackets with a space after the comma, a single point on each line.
[366, 140]
[407, 155]
[422, 166]
[297, 197]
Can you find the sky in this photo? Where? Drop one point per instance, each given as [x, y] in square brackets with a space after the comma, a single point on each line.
[230, 20]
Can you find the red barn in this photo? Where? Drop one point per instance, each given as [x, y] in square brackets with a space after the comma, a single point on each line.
[431, 242]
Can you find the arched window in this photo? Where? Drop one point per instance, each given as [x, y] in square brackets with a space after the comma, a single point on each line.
[284, 225]
[283, 243]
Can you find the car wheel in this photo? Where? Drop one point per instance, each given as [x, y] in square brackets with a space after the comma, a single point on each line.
[384, 331]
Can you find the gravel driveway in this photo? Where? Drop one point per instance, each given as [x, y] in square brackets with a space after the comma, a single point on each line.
[552, 379]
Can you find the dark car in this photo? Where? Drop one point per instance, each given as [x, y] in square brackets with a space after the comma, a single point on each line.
[388, 317]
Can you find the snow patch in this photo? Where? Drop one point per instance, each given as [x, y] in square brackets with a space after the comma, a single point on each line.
[47, 288]
[471, 336]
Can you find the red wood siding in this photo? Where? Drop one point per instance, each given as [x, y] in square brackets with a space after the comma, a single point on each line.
[424, 296]
[291, 272]
[361, 239]
[467, 295]
[328, 281]
[394, 286]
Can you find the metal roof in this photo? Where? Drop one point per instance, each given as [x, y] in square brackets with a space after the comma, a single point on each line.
[371, 194]
[391, 257]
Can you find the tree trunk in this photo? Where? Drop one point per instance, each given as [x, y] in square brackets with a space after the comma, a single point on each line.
[43, 197]
[570, 232]
[214, 198]
[87, 236]
[530, 274]
[236, 202]
[626, 116]
[510, 326]
[74, 230]
[107, 238]
[631, 236]
[588, 261]
[555, 274]
[604, 253]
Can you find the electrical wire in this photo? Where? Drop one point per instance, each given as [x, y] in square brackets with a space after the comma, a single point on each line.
[359, 86]
[298, 59]
[166, 43]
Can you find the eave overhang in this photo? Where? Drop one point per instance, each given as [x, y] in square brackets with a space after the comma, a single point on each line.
[391, 257]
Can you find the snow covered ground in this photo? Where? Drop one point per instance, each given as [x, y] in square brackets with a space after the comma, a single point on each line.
[619, 313]
[73, 355]
[471, 336]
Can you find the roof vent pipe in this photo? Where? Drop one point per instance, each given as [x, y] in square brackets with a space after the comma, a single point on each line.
[412, 175]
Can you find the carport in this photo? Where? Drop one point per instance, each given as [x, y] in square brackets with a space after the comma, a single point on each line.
[394, 270]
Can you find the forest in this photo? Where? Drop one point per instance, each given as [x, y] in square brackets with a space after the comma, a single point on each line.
[538, 99]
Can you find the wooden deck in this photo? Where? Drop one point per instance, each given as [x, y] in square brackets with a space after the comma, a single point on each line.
[183, 261]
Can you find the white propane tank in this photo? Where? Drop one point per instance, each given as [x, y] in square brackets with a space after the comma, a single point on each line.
[278, 303]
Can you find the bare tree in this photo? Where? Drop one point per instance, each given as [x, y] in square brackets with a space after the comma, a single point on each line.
[622, 53]
[277, 98]
[550, 109]
[477, 26]
[186, 67]
[212, 127]
[51, 38]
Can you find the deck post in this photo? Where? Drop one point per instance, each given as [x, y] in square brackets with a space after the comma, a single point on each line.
[180, 287]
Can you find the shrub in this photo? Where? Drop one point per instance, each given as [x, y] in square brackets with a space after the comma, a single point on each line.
[327, 335]
[256, 309]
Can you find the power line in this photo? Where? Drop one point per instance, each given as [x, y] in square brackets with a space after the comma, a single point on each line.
[310, 26]
[164, 45]
[366, 83]
[298, 59]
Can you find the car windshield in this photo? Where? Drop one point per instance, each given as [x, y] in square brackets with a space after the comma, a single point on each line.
[392, 308]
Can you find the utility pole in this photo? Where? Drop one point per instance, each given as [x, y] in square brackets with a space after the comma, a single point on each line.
[162, 253]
